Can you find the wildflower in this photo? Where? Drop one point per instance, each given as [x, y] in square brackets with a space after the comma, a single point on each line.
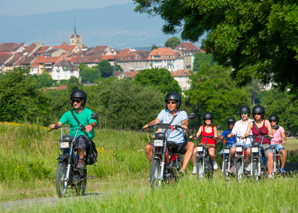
[202, 184]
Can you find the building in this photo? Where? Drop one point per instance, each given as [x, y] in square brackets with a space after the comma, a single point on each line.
[43, 63]
[182, 77]
[64, 70]
[76, 39]
[187, 50]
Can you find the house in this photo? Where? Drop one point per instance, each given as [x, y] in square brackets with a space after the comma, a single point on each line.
[3, 59]
[165, 57]
[43, 63]
[54, 52]
[182, 77]
[42, 50]
[131, 59]
[25, 61]
[68, 48]
[30, 50]
[12, 48]
[9, 64]
[64, 70]
[129, 74]
[90, 61]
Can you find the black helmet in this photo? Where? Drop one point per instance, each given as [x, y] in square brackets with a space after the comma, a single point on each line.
[231, 120]
[274, 118]
[258, 110]
[244, 109]
[173, 96]
[80, 94]
[208, 115]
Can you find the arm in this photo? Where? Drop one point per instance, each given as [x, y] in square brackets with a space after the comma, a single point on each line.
[268, 126]
[89, 127]
[52, 126]
[215, 132]
[154, 122]
[199, 132]
[248, 130]
[185, 124]
[220, 138]
[233, 132]
[284, 138]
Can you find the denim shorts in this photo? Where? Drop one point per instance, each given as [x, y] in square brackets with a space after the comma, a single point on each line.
[278, 147]
[233, 145]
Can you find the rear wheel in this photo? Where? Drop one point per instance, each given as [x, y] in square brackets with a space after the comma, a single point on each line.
[61, 183]
[81, 185]
[155, 173]
[210, 167]
[200, 169]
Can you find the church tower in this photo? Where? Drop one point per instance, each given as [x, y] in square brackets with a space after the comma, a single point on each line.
[75, 39]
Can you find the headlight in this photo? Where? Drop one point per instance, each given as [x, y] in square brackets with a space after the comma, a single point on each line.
[64, 145]
[238, 149]
[226, 151]
[158, 143]
[200, 149]
[254, 149]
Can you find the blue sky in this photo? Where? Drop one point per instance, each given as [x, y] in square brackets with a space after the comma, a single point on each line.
[28, 7]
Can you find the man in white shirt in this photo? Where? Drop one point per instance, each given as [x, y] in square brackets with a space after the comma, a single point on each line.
[240, 129]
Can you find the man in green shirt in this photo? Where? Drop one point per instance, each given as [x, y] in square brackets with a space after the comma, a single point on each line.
[78, 100]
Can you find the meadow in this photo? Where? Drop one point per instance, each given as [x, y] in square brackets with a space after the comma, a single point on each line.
[28, 166]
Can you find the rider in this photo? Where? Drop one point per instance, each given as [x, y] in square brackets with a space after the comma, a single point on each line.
[78, 100]
[265, 129]
[207, 129]
[240, 129]
[172, 104]
[278, 134]
[231, 141]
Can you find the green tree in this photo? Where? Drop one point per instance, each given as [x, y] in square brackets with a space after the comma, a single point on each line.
[256, 38]
[90, 74]
[20, 100]
[105, 68]
[45, 79]
[213, 90]
[279, 103]
[154, 46]
[254, 89]
[159, 78]
[202, 58]
[172, 42]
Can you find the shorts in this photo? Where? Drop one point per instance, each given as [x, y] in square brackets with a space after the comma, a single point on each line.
[208, 145]
[177, 149]
[233, 145]
[245, 146]
[81, 142]
[267, 149]
[278, 147]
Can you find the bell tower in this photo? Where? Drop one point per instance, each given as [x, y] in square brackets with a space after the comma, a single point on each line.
[75, 39]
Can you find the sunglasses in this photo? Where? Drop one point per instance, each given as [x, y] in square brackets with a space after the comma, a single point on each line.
[244, 113]
[272, 121]
[171, 102]
[207, 119]
[76, 100]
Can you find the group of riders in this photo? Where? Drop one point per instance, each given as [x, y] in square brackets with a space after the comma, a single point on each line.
[236, 133]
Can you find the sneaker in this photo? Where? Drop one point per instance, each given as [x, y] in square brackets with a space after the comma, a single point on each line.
[81, 165]
[282, 170]
[232, 169]
[215, 166]
[248, 168]
[270, 177]
[182, 172]
[194, 171]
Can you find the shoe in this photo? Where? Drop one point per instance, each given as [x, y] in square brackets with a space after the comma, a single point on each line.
[182, 172]
[248, 168]
[282, 170]
[194, 171]
[81, 165]
[270, 177]
[215, 166]
[232, 169]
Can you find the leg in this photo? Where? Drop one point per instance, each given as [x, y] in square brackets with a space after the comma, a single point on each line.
[81, 153]
[194, 160]
[283, 158]
[189, 147]
[233, 152]
[211, 151]
[248, 155]
[270, 162]
[149, 151]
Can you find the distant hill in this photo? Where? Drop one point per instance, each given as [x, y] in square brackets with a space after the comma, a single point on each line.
[117, 26]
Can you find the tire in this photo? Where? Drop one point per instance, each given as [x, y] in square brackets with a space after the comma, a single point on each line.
[255, 171]
[210, 165]
[61, 186]
[81, 186]
[239, 170]
[225, 169]
[200, 169]
[155, 173]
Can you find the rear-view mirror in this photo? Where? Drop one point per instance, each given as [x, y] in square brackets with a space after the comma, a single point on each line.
[276, 127]
[288, 134]
[218, 127]
[192, 116]
[94, 116]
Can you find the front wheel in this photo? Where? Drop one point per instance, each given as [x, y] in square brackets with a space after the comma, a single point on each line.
[61, 183]
[225, 169]
[200, 168]
[239, 169]
[209, 165]
[155, 173]
[255, 174]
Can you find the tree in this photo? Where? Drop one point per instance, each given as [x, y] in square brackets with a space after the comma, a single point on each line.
[203, 58]
[279, 103]
[254, 88]
[45, 79]
[90, 74]
[105, 68]
[213, 90]
[256, 38]
[159, 78]
[20, 100]
[154, 46]
[172, 42]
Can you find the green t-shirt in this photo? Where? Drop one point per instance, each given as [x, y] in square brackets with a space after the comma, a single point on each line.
[84, 118]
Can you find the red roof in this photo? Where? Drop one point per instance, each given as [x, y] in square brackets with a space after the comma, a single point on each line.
[68, 48]
[84, 46]
[162, 52]
[108, 57]
[180, 73]
[44, 60]
[3, 58]
[14, 59]
[86, 59]
[60, 87]
[188, 46]
[64, 44]
[42, 50]
[131, 74]
[6, 47]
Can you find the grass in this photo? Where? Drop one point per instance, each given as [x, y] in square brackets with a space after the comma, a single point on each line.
[188, 195]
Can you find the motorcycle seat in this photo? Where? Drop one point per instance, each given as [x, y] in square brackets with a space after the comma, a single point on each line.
[255, 144]
[172, 146]
[66, 138]
[160, 135]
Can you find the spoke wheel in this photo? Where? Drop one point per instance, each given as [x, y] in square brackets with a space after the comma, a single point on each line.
[255, 171]
[81, 186]
[61, 184]
[200, 169]
[225, 169]
[155, 173]
[210, 169]
[239, 169]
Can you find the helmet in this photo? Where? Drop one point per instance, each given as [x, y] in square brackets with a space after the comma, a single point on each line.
[244, 109]
[208, 115]
[231, 120]
[274, 118]
[173, 96]
[258, 110]
[80, 94]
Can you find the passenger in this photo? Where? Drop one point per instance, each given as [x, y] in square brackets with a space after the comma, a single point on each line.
[207, 129]
[265, 129]
[279, 138]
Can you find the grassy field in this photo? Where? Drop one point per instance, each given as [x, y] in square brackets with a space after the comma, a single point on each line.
[28, 165]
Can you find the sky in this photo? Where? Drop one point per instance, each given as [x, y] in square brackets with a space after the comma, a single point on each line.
[29, 7]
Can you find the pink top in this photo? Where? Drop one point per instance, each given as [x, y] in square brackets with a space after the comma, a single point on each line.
[277, 136]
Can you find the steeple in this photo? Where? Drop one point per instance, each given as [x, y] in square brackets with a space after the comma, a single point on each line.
[75, 30]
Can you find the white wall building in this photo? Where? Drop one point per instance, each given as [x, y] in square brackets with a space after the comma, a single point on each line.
[64, 70]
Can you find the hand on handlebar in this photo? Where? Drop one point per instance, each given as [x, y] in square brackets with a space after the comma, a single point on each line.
[89, 127]
[146, 127]
[193, 137]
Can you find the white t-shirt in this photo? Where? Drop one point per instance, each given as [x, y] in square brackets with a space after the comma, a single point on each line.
[240, 129]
